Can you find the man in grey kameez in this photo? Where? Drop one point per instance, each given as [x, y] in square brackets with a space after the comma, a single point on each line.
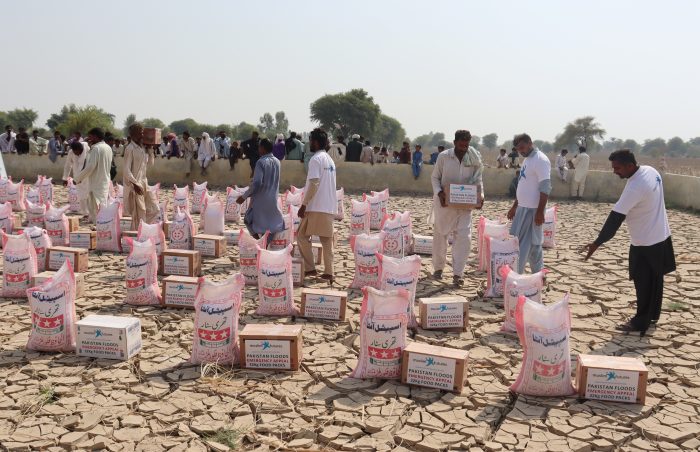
[263, 214]
[527, 213]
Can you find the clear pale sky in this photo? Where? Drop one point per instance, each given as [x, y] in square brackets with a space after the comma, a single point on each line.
[489, 66]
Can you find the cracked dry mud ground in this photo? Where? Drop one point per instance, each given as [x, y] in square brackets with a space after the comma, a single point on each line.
[158, 401]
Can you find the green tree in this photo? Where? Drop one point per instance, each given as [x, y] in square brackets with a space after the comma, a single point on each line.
[475, 142]
[677, 147]
[630, 144]
[544, 146]
[128, 122]
[581, 132]
[431, 139]
[346, 113]
[490, 140]
[182, 125]
[389, 131]
[85, 118]
[153, 122]
[270, 126]
[655, 147]
[3, 120]
[267, 125]
[56, 118]
[281, 123]
[21, 117]
[242, 131]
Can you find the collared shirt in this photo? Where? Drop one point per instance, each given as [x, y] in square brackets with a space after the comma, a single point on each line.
[367, 155]
[222, 146]
[187, 147]
[450, 170]
[561, 161]
[55, 148]
[581, 164]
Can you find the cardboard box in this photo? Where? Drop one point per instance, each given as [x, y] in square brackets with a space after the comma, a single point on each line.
[232, 236]
[179, 291]
[73, 223]
[181, 263]
[56, 255]
[39, 279]
[422, 244]
[297, 271]
[210, 245]
[270, 346]
[125, 224]
[434, 367]
[83, 239]
[462, 196]
[17, 222]
[108, 336]
[151, 135]
[448, 313]
[324, 304]
[316, 250]
[611, 378]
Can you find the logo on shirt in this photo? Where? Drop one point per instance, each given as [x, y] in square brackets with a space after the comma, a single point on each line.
[658, 182]
[522, 173]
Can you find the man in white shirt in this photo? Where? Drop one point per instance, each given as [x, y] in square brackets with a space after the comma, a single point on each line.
[651, 256]
[319, 206]
[502, 160]
[75, 161]
[562, 165]
[460, 165]
[7, 141]
[337, 150]
[206, 152]
[223, 145]
[527, 213]
[37, 144]
[580, 164]
[96, 171]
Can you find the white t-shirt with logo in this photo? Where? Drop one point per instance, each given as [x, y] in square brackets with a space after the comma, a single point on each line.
[322, 167]
[642, 201]
[536, 168]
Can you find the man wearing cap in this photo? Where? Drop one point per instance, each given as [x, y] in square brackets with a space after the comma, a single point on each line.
[651, 255]
[527, 213]
[460, 165]
[354, 149]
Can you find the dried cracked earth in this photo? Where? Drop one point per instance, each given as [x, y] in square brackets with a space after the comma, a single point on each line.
[159, 401]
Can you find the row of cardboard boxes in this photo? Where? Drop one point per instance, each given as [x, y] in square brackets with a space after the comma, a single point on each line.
[280, 347]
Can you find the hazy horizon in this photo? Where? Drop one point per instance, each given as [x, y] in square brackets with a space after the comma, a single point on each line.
[503, 67]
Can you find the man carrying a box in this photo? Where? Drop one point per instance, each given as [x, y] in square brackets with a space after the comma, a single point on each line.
[651, 256]
[527, 213]
[319, 206]
[460, 165]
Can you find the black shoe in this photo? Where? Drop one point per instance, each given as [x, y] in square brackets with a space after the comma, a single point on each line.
[437, 274]
[630, 328]
[458, 281]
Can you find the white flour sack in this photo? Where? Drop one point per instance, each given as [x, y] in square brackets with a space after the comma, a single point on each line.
[275, 285]
[56, 224]
[296, 221]
[46, 189]
[53, 312]
[119, 193]
[248, 252]
[359, 217]
[111, 192]
[212, 217]
[488, 228]
[198, 193]
[550, 227]
[216, 312]
[280, 203]
[73, 200]
[36, 214]
[155, 233]
[15, 195]
[4, 181]
[294, 189]
[365, 248]
[515, 286]
[163, 211]
[142, 274]
[181, 230]
[384, 198]
[42, 242]
[383, 327]
[7, 218]
[181, 197]
[340, 196]
[500, 252]
[293, 198]
[395, 227]
[233, 210]
[375, 210]
[281, 239]
[107, 226]
[544, 335]
[401, 274]
[155, 190]
[246, 203]
[20, 265]
[33, 195]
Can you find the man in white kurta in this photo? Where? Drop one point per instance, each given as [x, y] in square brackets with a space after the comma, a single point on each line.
[459, 165]
[580, 163]
[562, 165]
[75, 161]
[96, 172]
[187, 147]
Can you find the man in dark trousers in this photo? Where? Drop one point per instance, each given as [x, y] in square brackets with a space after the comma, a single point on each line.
[250, 150]
[642, 207]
